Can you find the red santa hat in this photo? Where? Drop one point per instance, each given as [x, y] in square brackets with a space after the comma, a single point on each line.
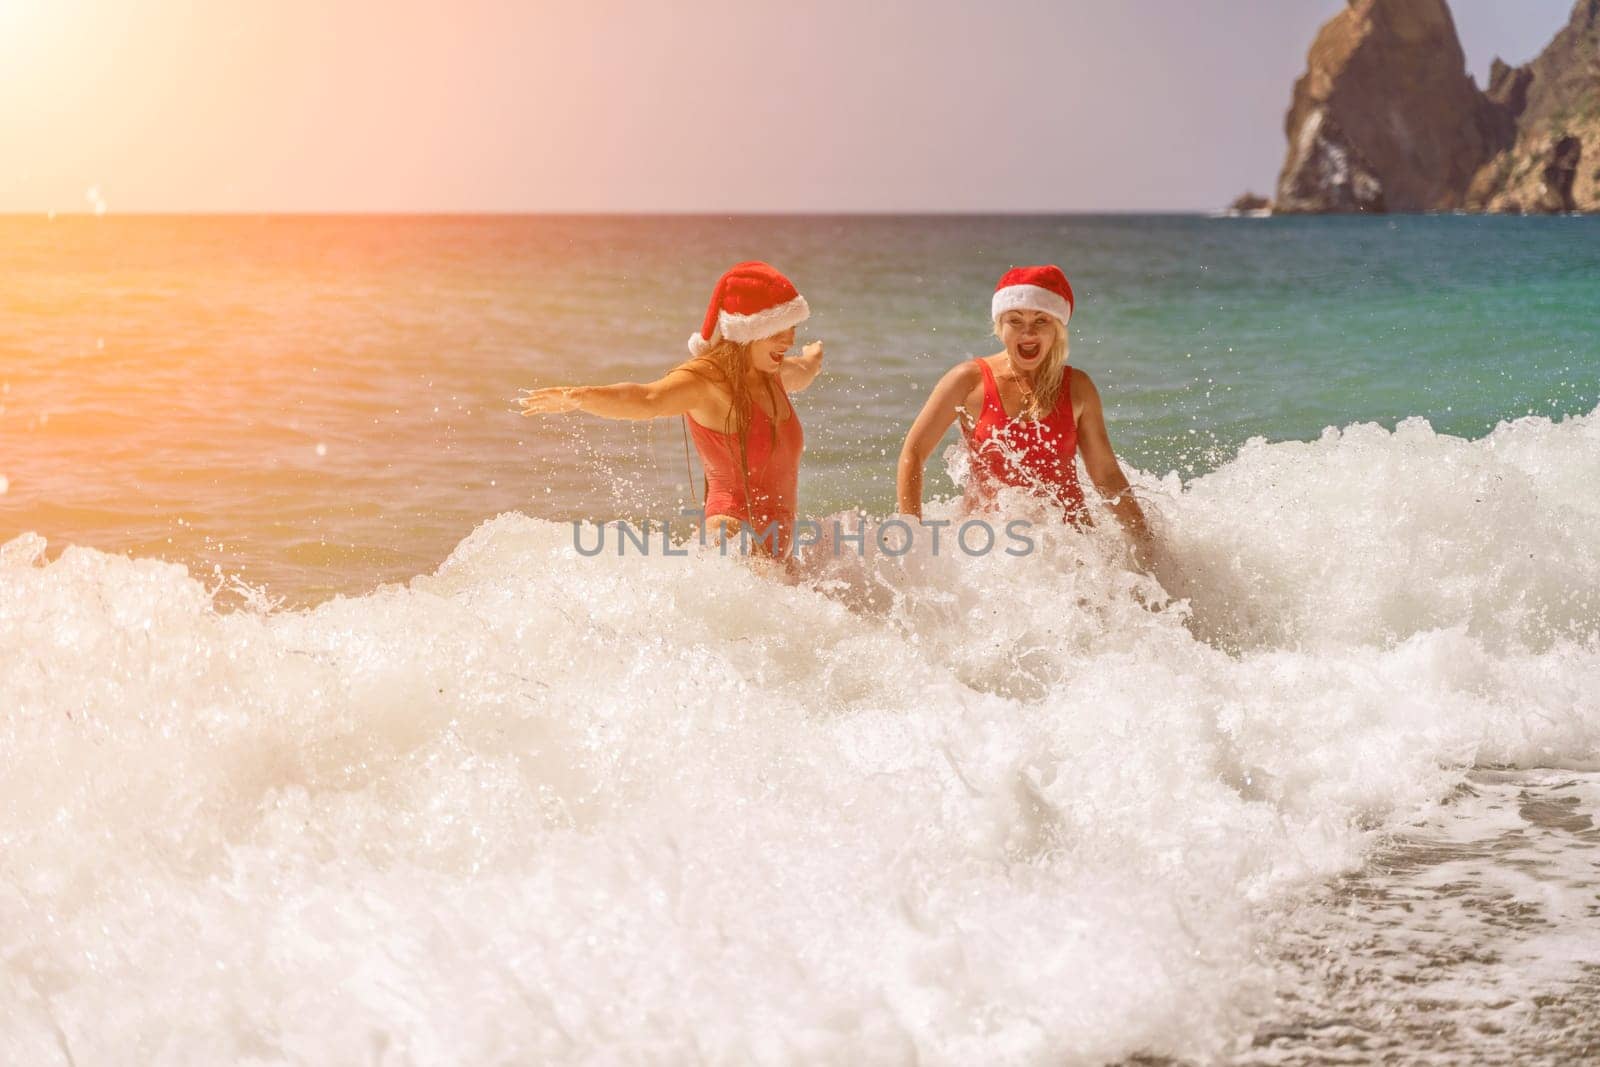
[751, 301]
[1043, 289]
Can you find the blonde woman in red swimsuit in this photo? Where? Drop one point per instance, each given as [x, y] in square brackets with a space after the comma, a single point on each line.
[1034, 413]
[735, 390]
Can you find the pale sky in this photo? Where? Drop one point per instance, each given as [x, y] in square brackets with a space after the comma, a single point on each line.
[612, 106]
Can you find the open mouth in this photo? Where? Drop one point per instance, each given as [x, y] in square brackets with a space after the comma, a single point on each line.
[1029, 349]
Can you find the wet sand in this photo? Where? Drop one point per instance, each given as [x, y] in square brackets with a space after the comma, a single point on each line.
[1474, 937]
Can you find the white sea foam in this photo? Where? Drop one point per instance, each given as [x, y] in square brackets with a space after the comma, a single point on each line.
[537, 807]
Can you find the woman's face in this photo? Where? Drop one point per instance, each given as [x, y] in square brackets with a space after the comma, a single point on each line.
[766, 355]
[1028, 336]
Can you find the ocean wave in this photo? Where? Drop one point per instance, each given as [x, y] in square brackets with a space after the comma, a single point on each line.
[928, 807]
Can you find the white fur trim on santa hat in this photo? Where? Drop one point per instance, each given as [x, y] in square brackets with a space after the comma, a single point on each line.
[747, 328]
[1029, 298]
[764, 323]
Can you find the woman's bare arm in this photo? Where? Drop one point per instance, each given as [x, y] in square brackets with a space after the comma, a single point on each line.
[799, 372]
[678, 392]
[926, 432]
[1094, 445]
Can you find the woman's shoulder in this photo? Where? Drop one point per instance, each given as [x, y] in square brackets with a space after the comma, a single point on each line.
[961, 379]
[700, 368]
[702, 373]
[968, 371]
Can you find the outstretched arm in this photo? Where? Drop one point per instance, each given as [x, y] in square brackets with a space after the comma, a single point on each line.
[674, 394]
[925, 433]
[1094, 444]
[801, 371]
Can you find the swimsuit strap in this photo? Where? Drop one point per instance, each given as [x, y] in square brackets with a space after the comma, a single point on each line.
[991, 389]
[1064, 398]
[785, 394]
[779, 392]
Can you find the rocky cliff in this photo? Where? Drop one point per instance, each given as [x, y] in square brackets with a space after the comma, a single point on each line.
[1554, 163]
[1387, 119]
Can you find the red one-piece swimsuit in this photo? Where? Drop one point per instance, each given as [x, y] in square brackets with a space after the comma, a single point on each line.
[1039, 455]
[764, 490]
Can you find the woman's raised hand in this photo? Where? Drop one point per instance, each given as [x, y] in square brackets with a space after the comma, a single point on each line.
[557, 400]
[803, 369]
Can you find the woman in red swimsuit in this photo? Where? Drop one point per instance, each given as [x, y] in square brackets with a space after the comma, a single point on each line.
[1035, 414]
[735, 390]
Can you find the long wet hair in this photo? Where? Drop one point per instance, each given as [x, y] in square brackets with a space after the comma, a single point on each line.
[1052, 374]
[725, 363]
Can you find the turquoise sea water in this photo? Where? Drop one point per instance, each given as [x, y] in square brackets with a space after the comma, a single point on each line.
[325, 402]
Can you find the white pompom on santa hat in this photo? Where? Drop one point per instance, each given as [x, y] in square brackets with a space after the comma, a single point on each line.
[751, 301]
[1043, 289]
